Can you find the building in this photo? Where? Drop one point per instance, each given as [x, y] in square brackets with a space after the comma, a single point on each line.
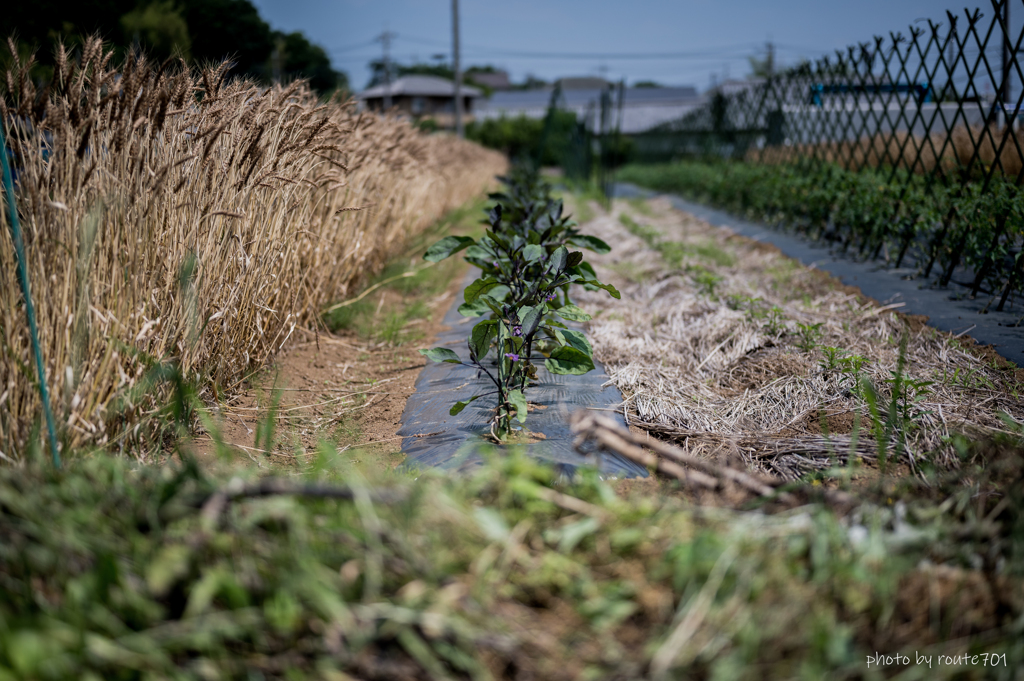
[642, 108]
[419, 97]
[495, 80]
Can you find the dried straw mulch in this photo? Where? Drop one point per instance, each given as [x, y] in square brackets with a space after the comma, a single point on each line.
[703, 360]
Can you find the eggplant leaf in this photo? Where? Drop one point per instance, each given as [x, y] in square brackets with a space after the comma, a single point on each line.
[568, 360]
[477, 308]
[478, 288]
[572, 313]
[591, 243]
[614, 292]
[530, 318]
[559, 258]
[441, 355]
[446, 247]
[574, 339]
[517, 400]
[534, 252]
[459, 406]
[481, 337]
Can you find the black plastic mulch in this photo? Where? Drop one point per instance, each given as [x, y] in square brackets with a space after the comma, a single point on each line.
[433, 438]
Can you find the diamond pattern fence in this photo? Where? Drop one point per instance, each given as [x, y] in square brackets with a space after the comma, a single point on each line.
[935, 111]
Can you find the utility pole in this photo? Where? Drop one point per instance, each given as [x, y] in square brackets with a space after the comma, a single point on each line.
[385, 40]
[770, 59]
[457, 68]
[1007, 103]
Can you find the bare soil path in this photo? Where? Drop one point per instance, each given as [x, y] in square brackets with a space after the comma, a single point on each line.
[345, 388]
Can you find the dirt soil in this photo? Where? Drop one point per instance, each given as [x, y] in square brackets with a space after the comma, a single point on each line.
[336, 388]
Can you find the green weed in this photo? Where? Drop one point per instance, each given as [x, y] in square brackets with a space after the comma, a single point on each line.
[776, 322]
[648, 234]
[808, 335]
[831, 357]
[705, 280]
[631, 271]
[641, 206]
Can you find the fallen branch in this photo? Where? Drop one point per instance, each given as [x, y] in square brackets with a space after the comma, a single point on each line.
[670, 460]
[673, 462]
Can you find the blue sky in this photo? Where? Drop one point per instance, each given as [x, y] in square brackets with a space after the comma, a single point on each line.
[705, 39]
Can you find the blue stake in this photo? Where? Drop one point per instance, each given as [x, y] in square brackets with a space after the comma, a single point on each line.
[19, 249]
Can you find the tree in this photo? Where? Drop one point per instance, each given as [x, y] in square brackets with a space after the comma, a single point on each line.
[207, 31]
[763, 67]
[230, 28]
[303, 59]
[159, 29]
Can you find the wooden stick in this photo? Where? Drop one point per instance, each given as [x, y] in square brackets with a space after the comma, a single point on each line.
[608, 434]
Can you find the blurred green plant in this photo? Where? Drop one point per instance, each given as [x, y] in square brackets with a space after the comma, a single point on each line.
[112, 570]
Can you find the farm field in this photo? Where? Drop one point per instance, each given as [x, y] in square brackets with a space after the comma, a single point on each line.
[296, 383]
[719, 334]
[507, 574]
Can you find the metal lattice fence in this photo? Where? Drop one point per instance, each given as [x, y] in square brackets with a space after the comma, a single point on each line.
[590, 149]
[936, 111]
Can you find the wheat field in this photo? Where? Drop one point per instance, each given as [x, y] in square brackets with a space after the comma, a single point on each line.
[174, 216]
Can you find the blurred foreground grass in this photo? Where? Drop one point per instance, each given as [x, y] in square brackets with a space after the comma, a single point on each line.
[111, 570]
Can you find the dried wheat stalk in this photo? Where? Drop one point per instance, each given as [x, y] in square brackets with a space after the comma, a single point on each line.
[173, 215]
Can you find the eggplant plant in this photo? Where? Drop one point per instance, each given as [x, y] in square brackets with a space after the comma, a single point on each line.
[526, 270]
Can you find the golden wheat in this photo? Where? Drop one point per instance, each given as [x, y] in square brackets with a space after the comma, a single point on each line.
[171, 214]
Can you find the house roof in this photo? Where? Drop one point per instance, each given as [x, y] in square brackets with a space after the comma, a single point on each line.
[419, 86]
[515, 100]
[498, 80]
[642, 108]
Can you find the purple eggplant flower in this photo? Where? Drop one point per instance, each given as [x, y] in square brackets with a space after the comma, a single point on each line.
[512, 356]
[517, 330]
[549, 297]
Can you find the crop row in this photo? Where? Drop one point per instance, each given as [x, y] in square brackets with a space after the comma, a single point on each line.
[968, 230]
[526, 269]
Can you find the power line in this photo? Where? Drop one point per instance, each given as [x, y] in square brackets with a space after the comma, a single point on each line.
[597, 56]
[581, 57]
[717, 52]
[350, 48]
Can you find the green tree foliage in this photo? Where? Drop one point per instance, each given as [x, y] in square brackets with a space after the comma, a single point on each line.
[303, 59]
[230, 28]
[159, 28]
[531, 82]
[203, 30]
[763, 67]
[521, 136]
